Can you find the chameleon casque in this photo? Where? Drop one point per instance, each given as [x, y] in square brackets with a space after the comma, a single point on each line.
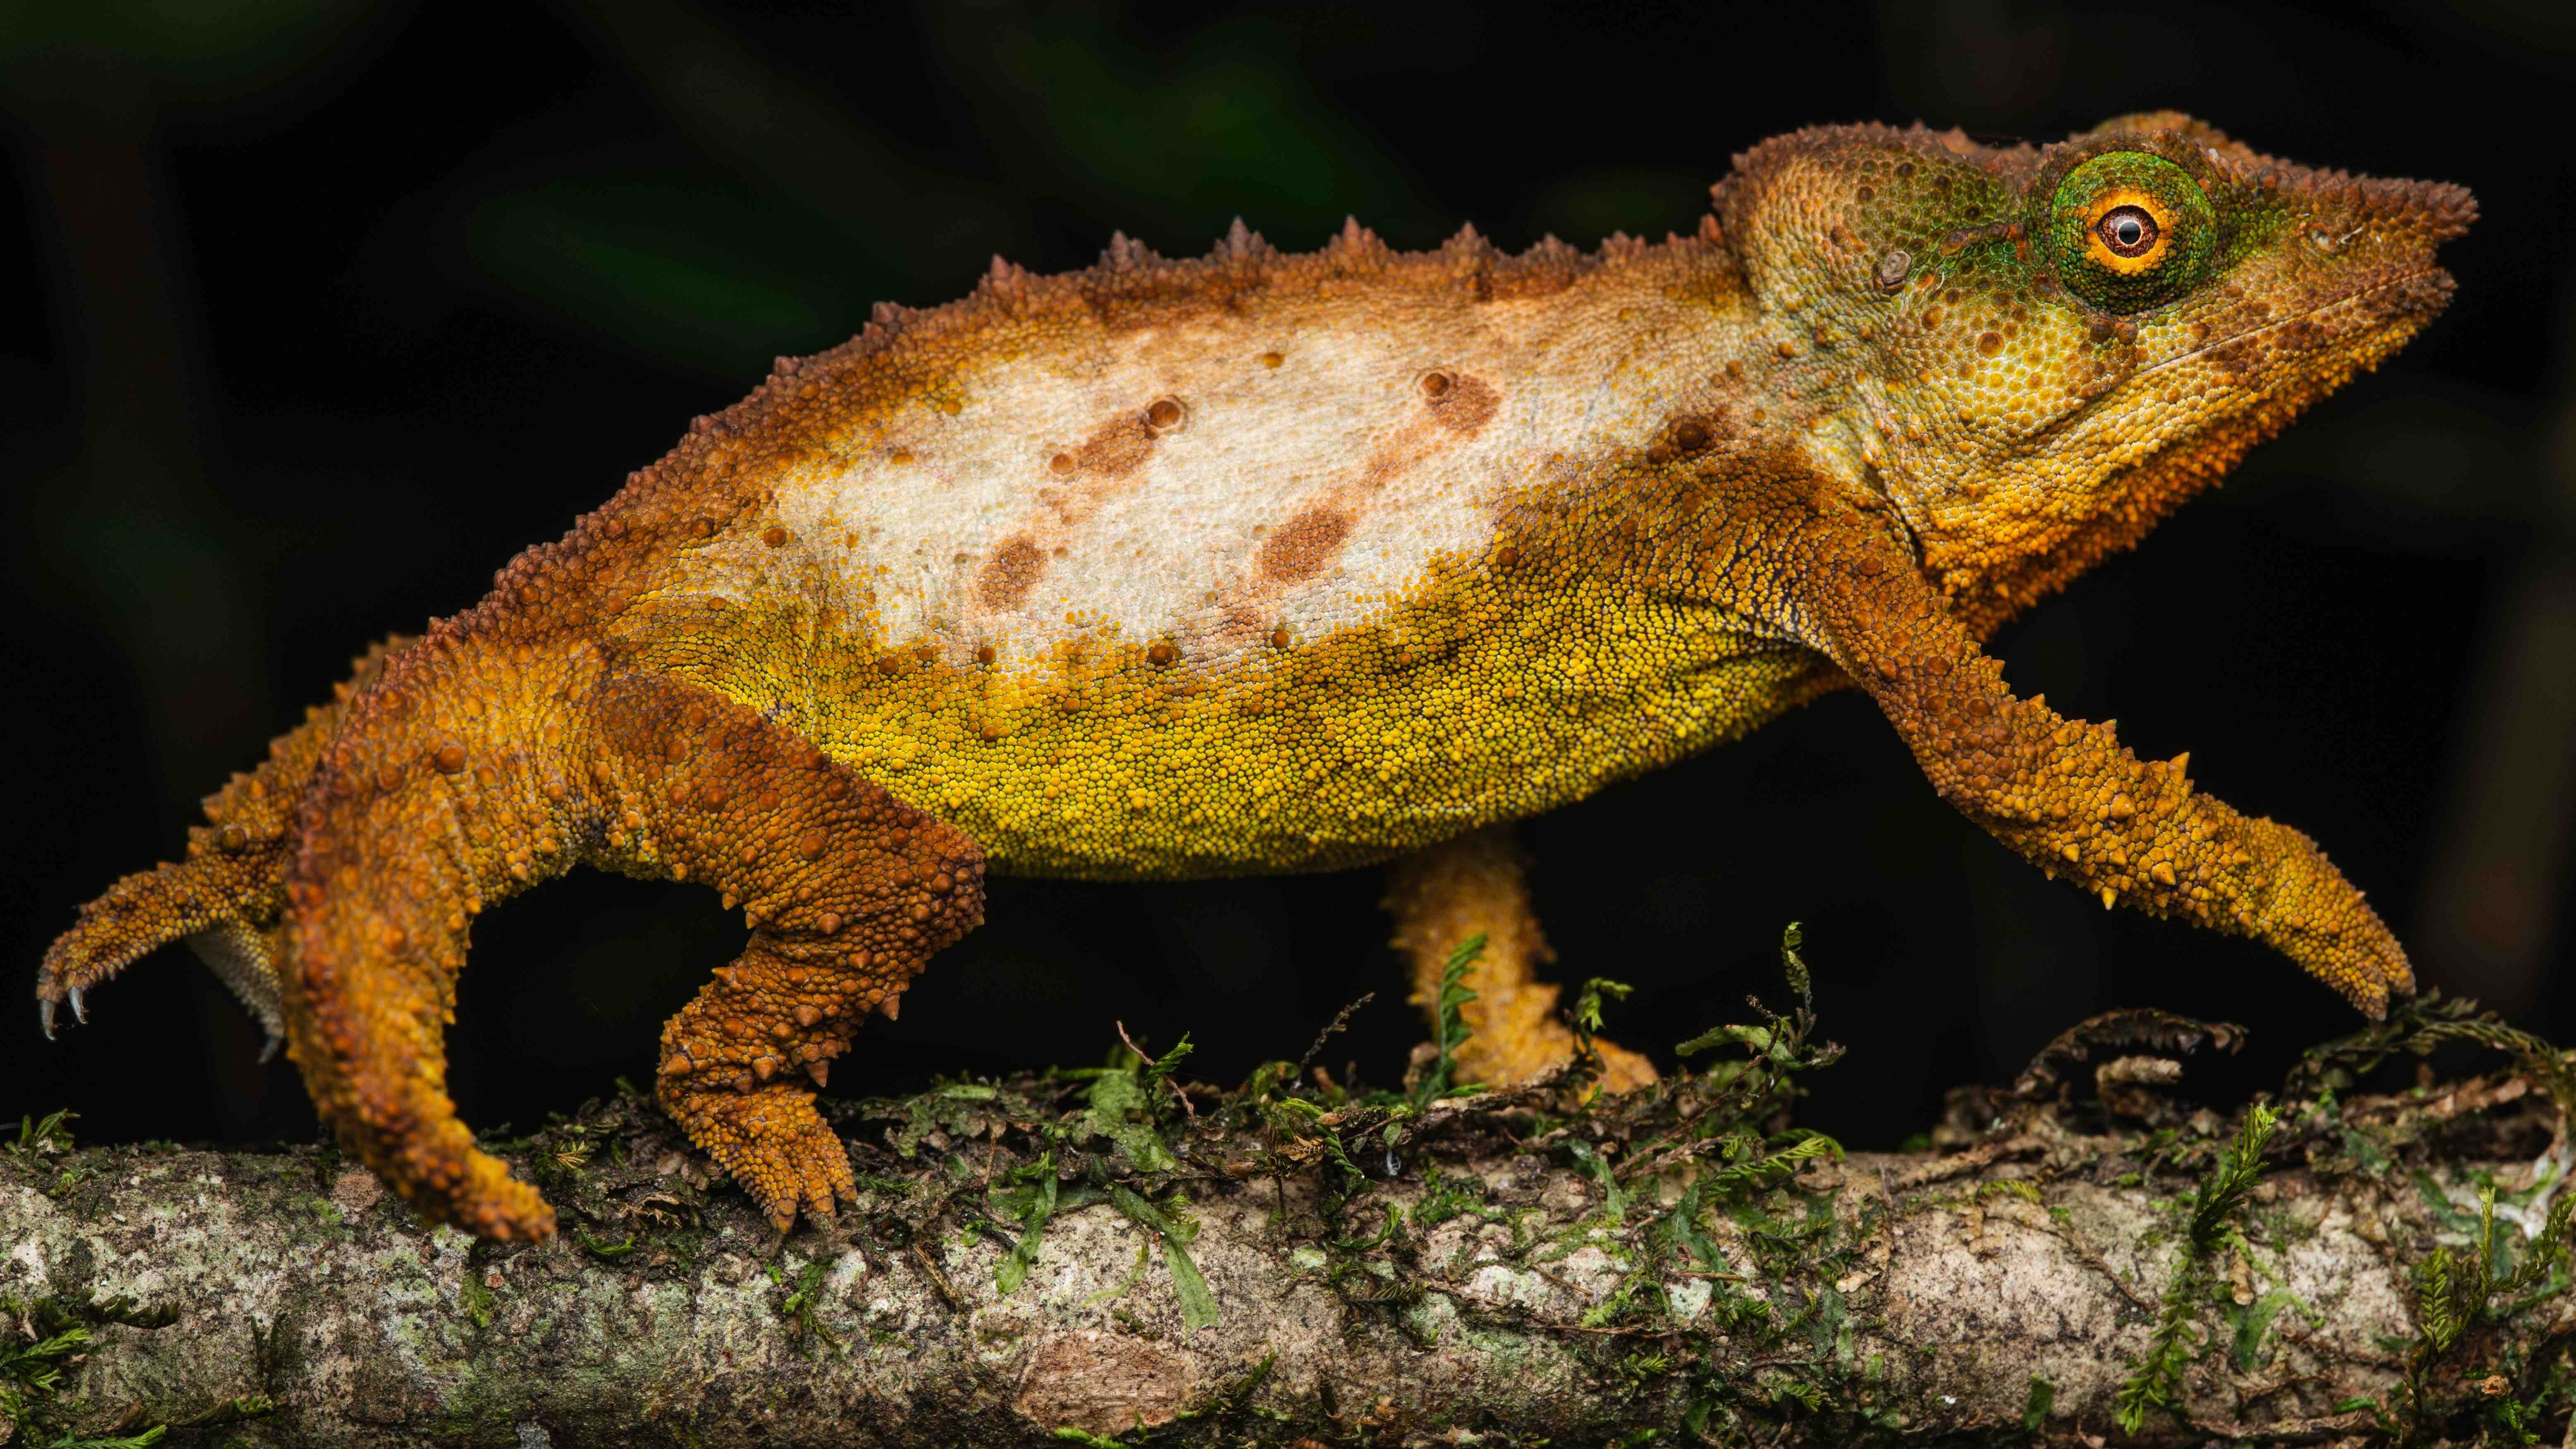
[1263, 562]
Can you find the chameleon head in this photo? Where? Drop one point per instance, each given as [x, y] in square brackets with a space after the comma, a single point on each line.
[2035, 353]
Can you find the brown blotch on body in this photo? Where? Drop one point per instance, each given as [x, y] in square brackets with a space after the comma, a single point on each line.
[1117, 447]
[1006, 578]
[1461, 403]
[1304, 544]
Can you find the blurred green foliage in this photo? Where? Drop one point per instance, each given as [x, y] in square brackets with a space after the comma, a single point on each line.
[688, 272]
[55, 50]
[1192, 136]
[797, 214]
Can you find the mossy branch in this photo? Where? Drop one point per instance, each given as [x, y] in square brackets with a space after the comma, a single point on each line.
[1111, 1255]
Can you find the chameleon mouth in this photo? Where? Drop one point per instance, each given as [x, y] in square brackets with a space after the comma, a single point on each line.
[2439, 294]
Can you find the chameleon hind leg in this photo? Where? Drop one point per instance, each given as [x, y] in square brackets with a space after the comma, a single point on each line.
[481, 764]
[1442, 894]
[226, 897]
[848, 891]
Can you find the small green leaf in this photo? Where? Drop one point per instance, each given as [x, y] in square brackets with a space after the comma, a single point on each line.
[1450, 1031]
[1119, 1111]
[1587, 1003]
[1014, 1269]
[1794, 965]
[1198, 1305]
[2254, 1322]
[2034, 1409]
[601, 1249]
[1756, 1038]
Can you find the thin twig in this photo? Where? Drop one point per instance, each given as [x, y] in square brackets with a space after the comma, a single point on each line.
[1131, 1044]
[1341, 1021]
[938, 1280]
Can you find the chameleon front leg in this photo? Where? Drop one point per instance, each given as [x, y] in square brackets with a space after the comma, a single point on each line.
[1442, 894]
[2063, 793]
[848, 890]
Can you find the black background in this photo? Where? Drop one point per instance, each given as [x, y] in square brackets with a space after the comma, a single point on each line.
[317, 313]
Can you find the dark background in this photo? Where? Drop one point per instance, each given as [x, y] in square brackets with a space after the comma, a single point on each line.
[317, 313]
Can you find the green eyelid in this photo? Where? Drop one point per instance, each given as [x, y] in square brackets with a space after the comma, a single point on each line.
[2187, 233]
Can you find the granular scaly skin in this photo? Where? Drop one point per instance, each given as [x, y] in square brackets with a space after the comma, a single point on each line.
[226, 897]
[849, 891]
[1265, 562]
[1443, 894]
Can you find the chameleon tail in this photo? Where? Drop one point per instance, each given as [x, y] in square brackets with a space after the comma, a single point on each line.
[446, 789]
[226, 897]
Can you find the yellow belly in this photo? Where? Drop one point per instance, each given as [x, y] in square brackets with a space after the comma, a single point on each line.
[1464, 704]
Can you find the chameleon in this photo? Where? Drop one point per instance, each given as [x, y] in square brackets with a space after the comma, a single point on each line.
[1262, 562]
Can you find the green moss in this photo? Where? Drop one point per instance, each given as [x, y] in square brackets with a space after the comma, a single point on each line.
[797, 1303]
[45, 1136]
[38, 1341]
[1449, 1017]
[2155, 1382]
[475, 1299]
[1702, 1178]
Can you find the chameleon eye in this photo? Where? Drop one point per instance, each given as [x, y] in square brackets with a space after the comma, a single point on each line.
[2129, 231]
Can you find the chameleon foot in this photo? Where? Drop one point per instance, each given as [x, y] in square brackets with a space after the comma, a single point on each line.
[2311, 914]
[1522, 1037]
[225, 898]
[773, 1142]
[136, 915]
[1473, 885]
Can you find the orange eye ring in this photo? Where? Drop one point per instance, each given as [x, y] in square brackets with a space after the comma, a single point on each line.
[2128, 231]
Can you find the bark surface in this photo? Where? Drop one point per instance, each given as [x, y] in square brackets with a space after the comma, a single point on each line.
[1082, 1257]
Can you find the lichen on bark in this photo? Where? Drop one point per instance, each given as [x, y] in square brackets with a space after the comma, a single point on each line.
[1113, 1254]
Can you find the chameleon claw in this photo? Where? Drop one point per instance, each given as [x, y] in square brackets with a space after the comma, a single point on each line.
[268, 1048]
[45, 1017]
[80, 1008]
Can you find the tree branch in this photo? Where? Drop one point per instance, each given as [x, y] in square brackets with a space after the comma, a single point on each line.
[1504, 1265]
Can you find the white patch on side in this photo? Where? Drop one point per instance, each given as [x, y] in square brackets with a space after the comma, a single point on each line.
[1382, 436]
